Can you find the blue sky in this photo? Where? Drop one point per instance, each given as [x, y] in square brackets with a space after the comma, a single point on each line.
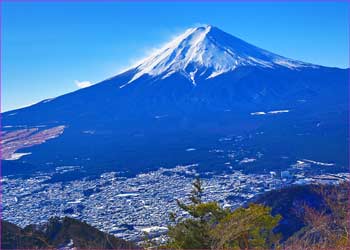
[50, 48]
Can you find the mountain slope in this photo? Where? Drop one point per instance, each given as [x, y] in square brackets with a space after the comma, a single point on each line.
[59, 233]
[204, 85]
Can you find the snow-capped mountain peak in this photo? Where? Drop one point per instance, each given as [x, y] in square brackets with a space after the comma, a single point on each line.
[208, 51]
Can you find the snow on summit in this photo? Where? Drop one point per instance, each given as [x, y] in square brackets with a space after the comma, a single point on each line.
[208, 51]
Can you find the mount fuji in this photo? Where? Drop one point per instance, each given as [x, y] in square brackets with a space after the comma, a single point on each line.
[208, 52]
[205, 98]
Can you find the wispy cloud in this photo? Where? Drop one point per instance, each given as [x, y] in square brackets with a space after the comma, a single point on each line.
[82, 84]
[168, 37]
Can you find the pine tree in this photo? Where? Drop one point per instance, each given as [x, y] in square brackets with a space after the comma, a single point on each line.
[212, 227]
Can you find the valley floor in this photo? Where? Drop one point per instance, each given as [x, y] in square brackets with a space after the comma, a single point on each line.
[130, 207]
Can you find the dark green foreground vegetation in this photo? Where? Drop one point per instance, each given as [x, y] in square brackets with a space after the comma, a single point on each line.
[316, 218]
[299, 217]
[212, 227]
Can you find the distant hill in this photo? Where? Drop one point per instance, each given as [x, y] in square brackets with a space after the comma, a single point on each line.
[59, 233]
[290, 203]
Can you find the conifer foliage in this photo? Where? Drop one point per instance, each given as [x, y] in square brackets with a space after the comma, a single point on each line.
[210, 226]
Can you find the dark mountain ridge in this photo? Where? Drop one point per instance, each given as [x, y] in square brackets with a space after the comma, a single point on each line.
[59, 233]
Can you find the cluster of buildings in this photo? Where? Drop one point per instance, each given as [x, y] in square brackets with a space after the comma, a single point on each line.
[131, 207]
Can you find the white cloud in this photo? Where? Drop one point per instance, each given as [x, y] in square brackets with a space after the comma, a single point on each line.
[82, 84]
[151, 51]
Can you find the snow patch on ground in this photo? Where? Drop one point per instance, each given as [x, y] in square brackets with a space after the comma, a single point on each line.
[16, 156]
[247, 160]
[278, 111]
[273, 112]
[191, 149]
[127, 195]
[319, 163]
[258, 113]
[153, 229]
